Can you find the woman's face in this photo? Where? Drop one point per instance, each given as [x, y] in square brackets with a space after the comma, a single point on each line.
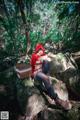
[40, 52]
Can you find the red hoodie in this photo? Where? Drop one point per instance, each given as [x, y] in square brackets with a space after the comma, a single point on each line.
[35, 62]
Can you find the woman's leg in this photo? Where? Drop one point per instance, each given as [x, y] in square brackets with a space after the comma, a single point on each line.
[45, 67]
[44, 79]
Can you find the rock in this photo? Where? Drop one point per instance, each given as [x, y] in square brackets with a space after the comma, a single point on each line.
[57, 114]
[30, 99]
[61, 90]
[37, 101]
[64, 68]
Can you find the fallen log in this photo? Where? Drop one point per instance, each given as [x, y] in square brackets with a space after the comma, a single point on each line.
[77, 57]
[76, 54]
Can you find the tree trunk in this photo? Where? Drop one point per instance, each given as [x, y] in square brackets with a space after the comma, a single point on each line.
[26, 24]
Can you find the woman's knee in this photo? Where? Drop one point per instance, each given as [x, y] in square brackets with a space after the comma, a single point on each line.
[38, 76]
[41, 76]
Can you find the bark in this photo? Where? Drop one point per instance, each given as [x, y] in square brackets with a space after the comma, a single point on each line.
[76, 57]
[76, 54]
[25, 23]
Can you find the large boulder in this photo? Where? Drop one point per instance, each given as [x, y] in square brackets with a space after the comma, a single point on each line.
[64, 67]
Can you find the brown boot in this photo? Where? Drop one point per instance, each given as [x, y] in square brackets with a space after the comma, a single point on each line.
[65, 104]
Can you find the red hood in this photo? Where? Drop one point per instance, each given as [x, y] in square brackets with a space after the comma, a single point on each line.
[38, 47]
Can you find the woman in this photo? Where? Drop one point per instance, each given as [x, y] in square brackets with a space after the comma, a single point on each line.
[40, 69]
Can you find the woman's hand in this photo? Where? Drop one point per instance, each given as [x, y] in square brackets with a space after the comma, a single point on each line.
[45, 58]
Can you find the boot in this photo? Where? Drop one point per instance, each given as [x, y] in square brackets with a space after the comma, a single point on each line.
[64, 104]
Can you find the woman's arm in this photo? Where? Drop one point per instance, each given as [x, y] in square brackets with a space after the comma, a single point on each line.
[33, 62]
[45, 57]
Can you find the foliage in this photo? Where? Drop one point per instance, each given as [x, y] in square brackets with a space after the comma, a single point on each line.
[48, 20]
